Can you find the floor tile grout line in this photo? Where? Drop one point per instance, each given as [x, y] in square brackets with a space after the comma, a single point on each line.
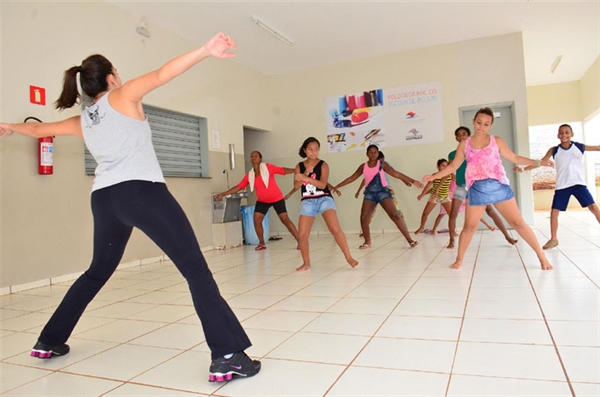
[386, 318]
[562, 364]
[462, 322]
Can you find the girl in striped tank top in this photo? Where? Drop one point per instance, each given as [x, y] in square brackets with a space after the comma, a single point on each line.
[438, 191]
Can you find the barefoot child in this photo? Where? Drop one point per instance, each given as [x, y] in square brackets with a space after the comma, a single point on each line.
[443, 212]
[376, 192]
[570, 179]
[311, 175]
[390, 188]
[487, 184]
[438, 191]
[460, 194]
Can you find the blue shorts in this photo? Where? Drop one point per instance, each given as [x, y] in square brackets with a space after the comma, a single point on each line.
[460, 193]
[378, 196]
[489, 191]
[316, 206]
[562, 196]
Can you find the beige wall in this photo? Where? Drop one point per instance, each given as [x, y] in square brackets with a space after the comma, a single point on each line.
[554, 103]
[590, 91]
[467, 79]
[566, 102]
[46, 221]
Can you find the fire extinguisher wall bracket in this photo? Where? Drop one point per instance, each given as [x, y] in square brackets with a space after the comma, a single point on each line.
[45, 152]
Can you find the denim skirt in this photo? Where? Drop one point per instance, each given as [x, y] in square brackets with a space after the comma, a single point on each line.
[488, 191]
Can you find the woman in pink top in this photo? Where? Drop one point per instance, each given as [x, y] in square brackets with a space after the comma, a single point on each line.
[487, 184]
[262, 179]
[377, 192]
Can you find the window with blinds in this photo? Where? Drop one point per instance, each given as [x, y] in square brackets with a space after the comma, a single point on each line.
[180, 141]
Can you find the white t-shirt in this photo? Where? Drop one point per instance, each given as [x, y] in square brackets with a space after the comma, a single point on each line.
[569, 165]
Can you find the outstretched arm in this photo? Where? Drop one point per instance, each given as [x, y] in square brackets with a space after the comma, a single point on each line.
[70, 126]
[297, 184]
[459, 157]
[234, 189]
[514, 158]
[288, 170]
[333, 189]
[396, 174]
[592, 148]
[544, 160]
[351, 178]
[128, 98]
[426, 189]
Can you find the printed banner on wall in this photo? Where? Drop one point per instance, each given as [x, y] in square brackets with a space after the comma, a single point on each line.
[387, 117]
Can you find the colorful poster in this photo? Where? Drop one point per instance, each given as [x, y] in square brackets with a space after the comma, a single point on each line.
[397, 116]
[354, 121]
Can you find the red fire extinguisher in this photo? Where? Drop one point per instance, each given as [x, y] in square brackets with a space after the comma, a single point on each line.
[45, 160]
[45, 152]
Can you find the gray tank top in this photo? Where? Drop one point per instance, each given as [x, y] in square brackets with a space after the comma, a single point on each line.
[122, 146]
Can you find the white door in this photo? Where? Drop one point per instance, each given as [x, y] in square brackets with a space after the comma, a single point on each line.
[504, 127]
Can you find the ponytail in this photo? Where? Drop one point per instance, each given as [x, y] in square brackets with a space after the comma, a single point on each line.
[92, 77]
[70, 92]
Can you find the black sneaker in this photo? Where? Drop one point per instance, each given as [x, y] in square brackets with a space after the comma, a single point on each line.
[41, 350]
[223, 369]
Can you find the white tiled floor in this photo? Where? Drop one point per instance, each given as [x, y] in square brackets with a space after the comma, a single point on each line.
[401, 323]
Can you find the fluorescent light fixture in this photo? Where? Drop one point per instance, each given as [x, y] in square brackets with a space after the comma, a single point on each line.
[142, 29]
[555, 63]
[272, 30]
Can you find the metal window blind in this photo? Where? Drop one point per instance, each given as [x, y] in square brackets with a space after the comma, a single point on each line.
[180, 141]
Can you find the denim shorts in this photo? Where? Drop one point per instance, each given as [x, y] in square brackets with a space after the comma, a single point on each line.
[562, 196]
[460, 193]
[488, 191]
[378, 196]
[316, 206]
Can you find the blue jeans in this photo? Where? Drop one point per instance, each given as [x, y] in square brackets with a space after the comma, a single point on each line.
[315, 206]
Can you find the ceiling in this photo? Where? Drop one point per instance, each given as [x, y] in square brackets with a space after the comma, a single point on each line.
[326, 33]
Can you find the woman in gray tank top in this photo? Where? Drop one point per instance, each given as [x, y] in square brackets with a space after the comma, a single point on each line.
[129, 191]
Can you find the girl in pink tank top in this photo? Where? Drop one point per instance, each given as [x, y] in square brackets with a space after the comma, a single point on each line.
[377, 192]
[484, 163]
[487, 184]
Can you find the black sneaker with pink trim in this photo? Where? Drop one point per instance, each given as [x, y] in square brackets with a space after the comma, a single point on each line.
[223, 369]
[41, 350]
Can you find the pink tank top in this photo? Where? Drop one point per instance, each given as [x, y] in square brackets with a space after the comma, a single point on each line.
[484, 163]
[369, 173]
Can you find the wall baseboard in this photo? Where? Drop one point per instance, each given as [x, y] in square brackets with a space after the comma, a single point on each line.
[73, 276]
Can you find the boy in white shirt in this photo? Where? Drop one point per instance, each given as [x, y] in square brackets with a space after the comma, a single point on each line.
[570, 178]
